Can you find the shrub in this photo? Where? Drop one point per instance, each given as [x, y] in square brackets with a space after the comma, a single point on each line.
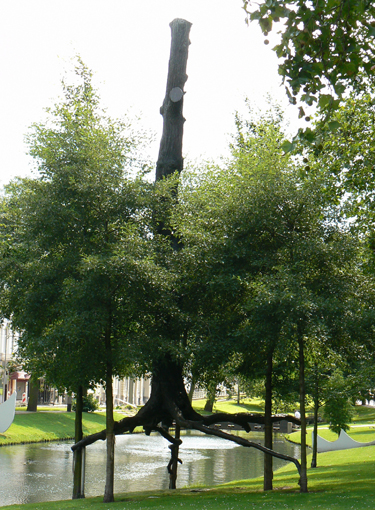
[90, 404]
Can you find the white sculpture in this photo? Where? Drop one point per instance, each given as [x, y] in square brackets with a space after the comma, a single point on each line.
[344, 442]
[7, 412]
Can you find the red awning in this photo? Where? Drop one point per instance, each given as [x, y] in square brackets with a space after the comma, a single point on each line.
[19, 376]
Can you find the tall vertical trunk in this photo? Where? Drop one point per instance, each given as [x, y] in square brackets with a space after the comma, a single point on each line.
[32, 404]
[78, 455]
[174, 460]
[170, 153]
[192, 389]
[314, 460]
[211, 397]
[268, 429]
[302, 391]
[110, 465]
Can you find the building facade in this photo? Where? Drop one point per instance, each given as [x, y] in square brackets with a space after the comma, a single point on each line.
[125, 391]
[10, 381]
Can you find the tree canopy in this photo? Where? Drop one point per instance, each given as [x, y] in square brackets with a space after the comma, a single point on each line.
[325, 46]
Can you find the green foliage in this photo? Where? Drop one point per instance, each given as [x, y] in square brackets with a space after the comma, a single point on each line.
[325, 49]
[90, 404]
[347, 156]
[267, 255]
[76, 259]
[326, 43]
[338, 409]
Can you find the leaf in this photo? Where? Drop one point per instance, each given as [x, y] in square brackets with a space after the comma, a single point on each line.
[288, 146]
[309, 135]
[324, 100]
[334, 125]
[255, 15]
[266, 24]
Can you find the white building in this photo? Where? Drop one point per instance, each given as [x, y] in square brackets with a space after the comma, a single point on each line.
[131, 391]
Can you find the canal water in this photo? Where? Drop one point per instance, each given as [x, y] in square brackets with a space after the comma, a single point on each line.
[43, 472]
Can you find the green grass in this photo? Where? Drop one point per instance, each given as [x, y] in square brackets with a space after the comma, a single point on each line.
[344, 480]
[47, 426]
[364, 414]
[231, 406]
[365, 434]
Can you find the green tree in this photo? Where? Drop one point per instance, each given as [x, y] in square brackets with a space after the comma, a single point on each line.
[324, 46]
[76, 250]
[272, 247]
[347, 157]
[338, 409]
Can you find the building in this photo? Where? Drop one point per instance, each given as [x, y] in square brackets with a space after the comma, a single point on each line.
[125, 391]
[10, 381]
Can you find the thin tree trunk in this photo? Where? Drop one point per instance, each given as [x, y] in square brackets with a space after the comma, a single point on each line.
[302, 391]
[268, 428]
[314, 460]
[110, 466]
[192, 389]
[211, 397]
[78, 456]
[174, 460]
[32, 404]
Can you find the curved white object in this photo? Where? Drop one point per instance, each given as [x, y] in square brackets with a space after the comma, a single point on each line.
[7, 411]
[344, 442]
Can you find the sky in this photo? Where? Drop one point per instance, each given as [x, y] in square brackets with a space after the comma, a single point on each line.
[126, 43]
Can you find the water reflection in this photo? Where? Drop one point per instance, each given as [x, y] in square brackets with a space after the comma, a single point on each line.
[42, 472]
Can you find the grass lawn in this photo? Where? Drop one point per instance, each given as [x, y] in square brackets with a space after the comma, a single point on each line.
[344, 480]
[364, 416]
[48, 426]
[51, 423]
[365, 434]
[231, 406]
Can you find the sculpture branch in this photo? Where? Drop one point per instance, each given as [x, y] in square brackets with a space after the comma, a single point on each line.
[244, 442]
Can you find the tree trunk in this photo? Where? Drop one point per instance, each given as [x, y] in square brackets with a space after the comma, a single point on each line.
[110, 465]
[192, 389]
[170, 152]
[302, 391]
[78, 456]
[314, 460]
[32, 404]
[268, 427]
[172, 468]
[211, 397]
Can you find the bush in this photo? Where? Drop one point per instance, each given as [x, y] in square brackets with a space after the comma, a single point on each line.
[90, 404]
